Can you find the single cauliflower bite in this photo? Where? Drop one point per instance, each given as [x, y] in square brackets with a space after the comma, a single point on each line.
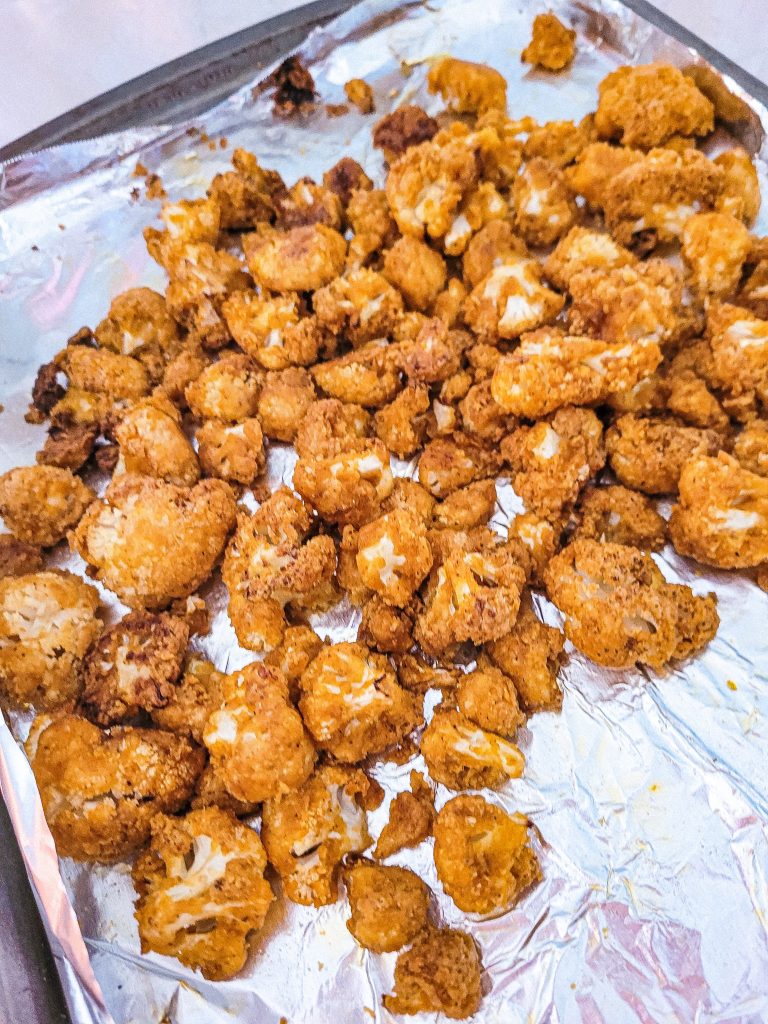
[461, 755]
[402, 423]
[552, 46]
[346, 487]
[535, 539]
[543, 203]
[648, 454]
[366, 376]
[360, 93]
[715, 247]
[257, 742]
[202, 891]
[596, 166]
[139, 325]
[272, 331]
[487, 697]
[386, 628]
[740, 195]
[245, 195]
[389, 905]
[352, 704]
[468, 88]
[299, 260]
[416, 270]
[511, 299]
[362, 305]
[466, 508]
[531, 654]
[232, 451]
[133, 667]
[620, 611]
[489, 248]
[584, 249]
[434, 355]
[411, 816]
[406, 126]
[201, 280]
[559, 141]
[101, 790]
[47, 623]
[483, 855]
[393, 555]
[750, 448]
[617, 515]
[739, 344]
[308, 832]
[284, 402]
[40, 504]
[192, 700]
[189, 221]
[440, 973]
[308, 203]
[153, 443]
[151, 542]
[227, 390]
[722, 515]
[448, 463]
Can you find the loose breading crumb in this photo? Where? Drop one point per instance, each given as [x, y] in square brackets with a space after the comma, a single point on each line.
[411, 817]
[359, 92]
[466, 87]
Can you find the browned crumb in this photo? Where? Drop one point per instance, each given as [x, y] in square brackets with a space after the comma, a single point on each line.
[68, 447]
[345, 177]
[361, 94]
[294, 88]
[411, 815]
[18, 558]
[406, 126]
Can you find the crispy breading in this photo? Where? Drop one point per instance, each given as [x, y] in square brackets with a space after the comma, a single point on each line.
[18, 558]
[434, 354]
[489, 248]
[489, 698]
[347, 573]
[404, 127]
[583, 249]
[552, 45]
[182, 370]
[190, 703]
[686, 390]
[417, 270]
[481, 416]
[559, 141]
[466, 87]
[595, 169]
[330, 427]
[347, 487]
[139, 325]
[543, 203]
[272, 331]
[352, 704]
[440, 973]
[531, 655]
[201, 279]
[740, 194]
[202, 891]
[714, 248]
[402, 423]
[417, 674]
[153, 443]
[298, 647]
[552, 460]
[511, 299]
[245, 195]
[753, 292]
[535, 539]
[617, 515]
[258, 745]
[389, 905]
[483, 855]
[648, 454]
[226, 390]
[411, 816]
[40, 504]
[101, 790]
[307, 203]
[393, 555]
[345, 177]
[366, 376]
[751, 447]
[645, 105]
[68, 447]
[361, 305]
[384, 627]
[619, 610]
[722, 515]
[551, 369]
[467, 507]
[298, 260]
[739, 345]
[448, 463]
[284, 400]
[372, 224]
[47, 622]
[308, 832]
[151, 542]
[449, 303]
[409, 494]
[232, 451]
[481, 206]
[189, 221]
[102, 372]
[133, 667]
[360, 93]
[211, 792]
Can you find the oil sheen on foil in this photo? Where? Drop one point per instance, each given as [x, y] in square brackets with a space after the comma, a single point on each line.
[649, 792]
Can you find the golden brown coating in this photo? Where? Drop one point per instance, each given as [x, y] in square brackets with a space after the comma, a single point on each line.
[366, 376]
[226, 390]
[372, 224]
[296, 650]
[153, 443]
[284, 400]
[386, 628]
[47, 623]
[302, 259]
[257, 742]
[648, 454]
[411, 816]
[543, 203]
[467, 507]
[188, 221]
[184, 368]
[347, 486]
[308, 832]
[68, 447]
[559, 141]
[245, 195]
[714, 248]
[344, 178]
[617, 515]
[751, 447]
[40, 504]
[483, 855]
[151, 542]
[210, 791]
[361, 305]
[360, 93]
[448, 463]
[402, 423]
[487, 697]
[139, 325]
[196, 696]
[307, 203]
[101, 790]
[409, 494]
[531, 655]
[552, 45]
[352, 704]
[393, 555]
[596, 167]
[406, 126]
[619, 610]
[201, 280]
[18, 558]
[722, 515]
[739, 344]
[740, 194]
[132, 667]
[584, 249]
[389, 905]
[272, 331]
[461, 755]
[489, 248]
[482, 416]
[511, 299]
[535, 539]
[440, 973]
[231, 451]
[466, 87]
[202, 891]
[418, 271]
[433, 354]
[646, 105]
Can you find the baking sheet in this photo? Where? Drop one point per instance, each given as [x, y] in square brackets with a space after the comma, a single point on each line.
[649, 791]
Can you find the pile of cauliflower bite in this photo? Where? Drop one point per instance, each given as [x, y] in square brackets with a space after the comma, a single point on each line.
[499, 308]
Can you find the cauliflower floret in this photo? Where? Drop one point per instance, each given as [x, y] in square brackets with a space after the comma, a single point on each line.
[361, 305]
[284, 401]
[299, 260]
[151, 542]
[139, 325]
[550, 369]
[481, 206]
[552, 46]
[189, 221]
[40, 504]
[714, 248]
[153, 443]
[461, 755]
[184, 368]
[418, 271]
[47, 623]
[685, 391]
[101, 790]
[308, 832]
[489, 248]
[617, 515]
[740, 195]
[307, 203]
[232, 451]
[542, 202]
[722, 515]
[619, 610]
[552, 460]
[751, 447]
[511, 299]
[201, 279]
[489, 698]
[649, 454]
[389, 905]
[385, 628]
[531, 655]
[18, 558]
[411, 816]
[196, 696]
[330, 427]
[247, 194]
[402, 423]
[272, 331]
[202, 891]
[559, 141]
[434, 355]
[98, 371]
[646, 105]
[393, 555]
[296, 650]
[483, 855]
[211, 792]
[535, 539]
[257, 742]
[739, 344]
[352, 704]
[404, 127]
[360, 93]
[410, 495]
[440, 973]
[596, 167]
[227, 390]
[346, 487]
[345, 177]
[372, 224]
[583, 249]
[467, 507]
[466, 87]
[448, 463]
[366, 376]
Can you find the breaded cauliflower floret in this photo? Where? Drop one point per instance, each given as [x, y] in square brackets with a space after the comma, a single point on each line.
[139, 325]
[434, 354]
[201, 279]
[372, 224]
[330, 427]
[298, 260]
[739, 344]
[411, 816]
[740, 195]
[367, 376]
[257, 742]
[271, 330]
[535, 539]
[596, 167]
[100, 372]
[531, 654]
[543, 203]
[552, 460]
[417, 270]
[245, 195]
[196, 696]
[211, 792]
[619, 610]
[393, 555]
[202, 891]
[552, 46]
[344, 178]
[360, 93]
[308, 832]
[511, 299]
[685, 392]
[489, 248]
[483, 855]
[646, 105]
[232, 451]
[183, 368]
[402, 423]
[722, 515]
[648, 454]
[18, 558]
[361, 305]
[467, 507]
[389, 905]
[386, 628]
[714, 248]
[101, 790]
[751, 447]
[440, 973]
[47, 623]
[227, 390]
[468, 88]
[489, 698]
[406, 126]
[448, 463]
[617, 515]
[550, 369]
[307, 203]
[284, 401]
[583, 249]
[410, 495]
[151, 542]
[461, 755]
[299, 646]
[40, 504]
[348, 486]
[559, 141]
[133, 667]
[352, 704]
[188, 221]
[153, 443]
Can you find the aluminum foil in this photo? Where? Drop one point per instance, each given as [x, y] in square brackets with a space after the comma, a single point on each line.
[649, 792]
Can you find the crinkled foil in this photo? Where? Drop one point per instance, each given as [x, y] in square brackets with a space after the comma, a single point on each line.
[649, 793]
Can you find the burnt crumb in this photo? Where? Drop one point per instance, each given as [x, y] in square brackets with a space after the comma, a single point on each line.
[68, 446]
[405, 127]
[154, 187]
[35, 248]
[294, 87]
[336, 109]
[135, 194]
[46, 392]
[223, 142]
[345, 177]
[18, 558]
[106, 456]
[140, 171]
